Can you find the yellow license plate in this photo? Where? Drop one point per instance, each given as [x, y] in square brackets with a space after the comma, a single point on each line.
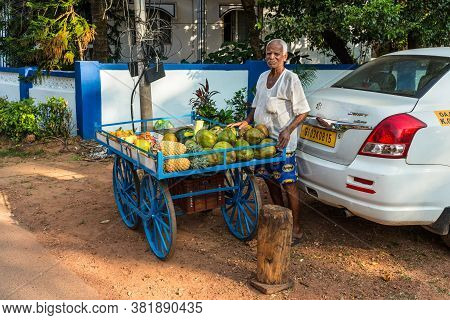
[322, 136]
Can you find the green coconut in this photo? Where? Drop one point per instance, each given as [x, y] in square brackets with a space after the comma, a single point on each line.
[228, 135]
[231, 155]
[206, 138]
[253, 136]
[244, 155]
[266, 152]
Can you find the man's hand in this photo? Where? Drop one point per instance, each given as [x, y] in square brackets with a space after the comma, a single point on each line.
[285, 135]
[238, 124]
[283, 139]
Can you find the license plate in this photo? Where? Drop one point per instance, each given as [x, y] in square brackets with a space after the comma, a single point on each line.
[318, 135]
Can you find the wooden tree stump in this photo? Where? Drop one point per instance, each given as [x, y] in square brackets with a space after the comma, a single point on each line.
[273, 252]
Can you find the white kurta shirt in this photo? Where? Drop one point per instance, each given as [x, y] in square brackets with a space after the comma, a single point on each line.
[276, 107]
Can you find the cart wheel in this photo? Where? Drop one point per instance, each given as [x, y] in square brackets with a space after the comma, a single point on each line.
[158, 216]
[126, 191]
[242, 206]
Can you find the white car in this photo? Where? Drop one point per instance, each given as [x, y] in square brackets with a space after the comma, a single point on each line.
[377, 142]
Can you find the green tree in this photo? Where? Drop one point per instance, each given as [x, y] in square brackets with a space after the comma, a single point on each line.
[47, 34]
[253, 27]
[337, 25]
[426, 23]
[332, 25]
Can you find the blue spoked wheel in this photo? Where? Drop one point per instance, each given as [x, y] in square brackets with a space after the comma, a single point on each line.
[158, 217]
[126, 191]
[241, 209]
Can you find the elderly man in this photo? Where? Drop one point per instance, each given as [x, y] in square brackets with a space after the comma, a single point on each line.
[280, 105]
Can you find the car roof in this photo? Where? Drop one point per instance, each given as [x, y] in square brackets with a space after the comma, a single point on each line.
[439, 52]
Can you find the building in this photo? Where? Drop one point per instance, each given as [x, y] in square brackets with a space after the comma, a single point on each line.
[192, 28]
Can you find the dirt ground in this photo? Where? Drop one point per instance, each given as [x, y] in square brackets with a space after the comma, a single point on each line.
[69, 205]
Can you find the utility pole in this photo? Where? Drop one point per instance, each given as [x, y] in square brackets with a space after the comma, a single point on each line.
[145, 89]
[201, 29]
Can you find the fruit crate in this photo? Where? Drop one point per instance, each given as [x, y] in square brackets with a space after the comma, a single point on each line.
[191, 204]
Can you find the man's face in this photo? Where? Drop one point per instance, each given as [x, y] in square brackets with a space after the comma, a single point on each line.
[275, 57]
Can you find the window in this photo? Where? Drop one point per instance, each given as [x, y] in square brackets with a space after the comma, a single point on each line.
[235, 26]
[161, 24]
[410, 76]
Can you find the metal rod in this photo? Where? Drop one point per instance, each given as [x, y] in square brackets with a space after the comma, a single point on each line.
[199, 193]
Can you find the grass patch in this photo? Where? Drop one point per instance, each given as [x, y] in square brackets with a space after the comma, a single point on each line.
[18, 153]
[76, 157]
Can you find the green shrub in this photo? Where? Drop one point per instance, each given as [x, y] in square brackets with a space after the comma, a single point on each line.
[3, 103]
[238, 103]
[55, 118]
[18, 119]
[46, 119]
[231, 52]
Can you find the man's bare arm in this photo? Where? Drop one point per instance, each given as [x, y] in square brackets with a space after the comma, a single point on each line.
[285, 135]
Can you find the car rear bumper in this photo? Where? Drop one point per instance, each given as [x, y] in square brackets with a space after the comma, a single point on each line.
[401, 194]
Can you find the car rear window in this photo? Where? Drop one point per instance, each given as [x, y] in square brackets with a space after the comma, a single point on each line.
[410, 76]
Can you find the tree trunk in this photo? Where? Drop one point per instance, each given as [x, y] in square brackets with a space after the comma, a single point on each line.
[338, 46]
[274, 244]
[254, 32]
[413, 40]
[100, 44]
[381, 48]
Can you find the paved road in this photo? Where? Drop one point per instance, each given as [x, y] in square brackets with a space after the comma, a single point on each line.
[28, 271]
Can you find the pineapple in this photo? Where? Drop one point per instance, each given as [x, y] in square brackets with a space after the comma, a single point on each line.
[173, 165]
[198, 162]
[170, 148]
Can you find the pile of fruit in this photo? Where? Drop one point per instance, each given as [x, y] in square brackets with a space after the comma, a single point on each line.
[145, 140]
[197, 139]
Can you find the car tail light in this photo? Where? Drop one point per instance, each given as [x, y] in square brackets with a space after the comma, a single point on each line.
[392, 137]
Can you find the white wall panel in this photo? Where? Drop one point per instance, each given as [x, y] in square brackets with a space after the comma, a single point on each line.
[171, 94]
[9, 86]
[116, 88]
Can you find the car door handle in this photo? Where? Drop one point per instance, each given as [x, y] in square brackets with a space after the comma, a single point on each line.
[338, 126]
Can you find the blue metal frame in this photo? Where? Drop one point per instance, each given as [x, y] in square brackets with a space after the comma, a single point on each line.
[160, 174]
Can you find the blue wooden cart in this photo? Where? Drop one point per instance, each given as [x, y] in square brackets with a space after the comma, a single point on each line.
[146, 198]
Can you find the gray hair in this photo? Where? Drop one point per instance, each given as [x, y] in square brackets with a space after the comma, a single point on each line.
[280, 42]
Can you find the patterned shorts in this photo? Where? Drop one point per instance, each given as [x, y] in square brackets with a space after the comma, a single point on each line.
[282, 172]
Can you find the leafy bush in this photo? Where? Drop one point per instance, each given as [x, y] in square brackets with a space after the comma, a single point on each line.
[231, 52]
[238, 103]
[55, 118]
[225, 116]
[203, 104]
[3, 102]
[21, 118]
[18, 119]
